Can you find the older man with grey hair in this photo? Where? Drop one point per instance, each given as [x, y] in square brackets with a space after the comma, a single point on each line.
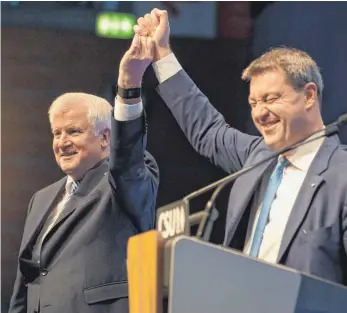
[292, 210]
[73, 252]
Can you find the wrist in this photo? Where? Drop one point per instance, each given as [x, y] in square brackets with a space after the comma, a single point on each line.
[128, 95]
[128, 101]
[127, 81]
[161, 52]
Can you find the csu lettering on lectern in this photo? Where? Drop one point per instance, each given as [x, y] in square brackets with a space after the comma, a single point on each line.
[172, 222]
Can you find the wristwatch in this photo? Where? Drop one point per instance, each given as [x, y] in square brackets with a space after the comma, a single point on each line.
[128, 93]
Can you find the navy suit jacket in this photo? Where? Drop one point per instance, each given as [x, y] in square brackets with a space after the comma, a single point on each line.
[82, 265]
[315, 237]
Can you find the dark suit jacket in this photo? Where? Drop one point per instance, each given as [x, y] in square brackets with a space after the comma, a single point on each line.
[82, 265]
[315, 238]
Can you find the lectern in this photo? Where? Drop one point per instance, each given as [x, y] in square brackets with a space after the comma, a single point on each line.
[199, 277]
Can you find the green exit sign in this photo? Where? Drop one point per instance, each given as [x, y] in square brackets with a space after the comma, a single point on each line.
[115, 25]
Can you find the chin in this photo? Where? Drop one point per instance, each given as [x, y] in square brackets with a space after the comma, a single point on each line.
[67, 169]
[274, 145]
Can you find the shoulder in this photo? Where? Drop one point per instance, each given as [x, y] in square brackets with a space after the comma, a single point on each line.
[42, 195]
[336, 170]
[258, 151]
[52, 187]
[339, 157]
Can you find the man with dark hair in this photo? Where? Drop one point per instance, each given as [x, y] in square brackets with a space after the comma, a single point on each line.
[292, 210]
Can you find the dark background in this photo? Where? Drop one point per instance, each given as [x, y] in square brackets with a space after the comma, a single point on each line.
[40, 63]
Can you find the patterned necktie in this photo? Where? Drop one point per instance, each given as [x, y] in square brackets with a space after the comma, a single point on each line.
[73, 188]
[53, 217]
[270, 194]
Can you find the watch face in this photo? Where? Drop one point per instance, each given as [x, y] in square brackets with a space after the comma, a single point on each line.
[132, 93]
[129, 93]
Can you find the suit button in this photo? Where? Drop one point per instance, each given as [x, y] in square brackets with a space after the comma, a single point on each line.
[44, 272]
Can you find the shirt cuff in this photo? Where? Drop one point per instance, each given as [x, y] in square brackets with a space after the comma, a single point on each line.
[126, 112]
[166, 67]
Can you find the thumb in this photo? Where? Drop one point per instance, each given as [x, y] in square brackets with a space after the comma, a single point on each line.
[135, 44]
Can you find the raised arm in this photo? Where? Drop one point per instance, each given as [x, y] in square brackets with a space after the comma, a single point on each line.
[134, 172]
[203, 125]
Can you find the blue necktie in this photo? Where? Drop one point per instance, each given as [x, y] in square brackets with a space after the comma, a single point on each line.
[270, 194]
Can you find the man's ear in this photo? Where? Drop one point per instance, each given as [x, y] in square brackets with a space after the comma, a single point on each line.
[105, 138]
[311, 95]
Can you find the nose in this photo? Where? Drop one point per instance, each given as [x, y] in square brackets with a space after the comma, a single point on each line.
[63, 141]
[260, 113]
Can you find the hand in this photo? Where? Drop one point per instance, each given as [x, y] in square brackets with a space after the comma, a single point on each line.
[135, 61]
[156, 26]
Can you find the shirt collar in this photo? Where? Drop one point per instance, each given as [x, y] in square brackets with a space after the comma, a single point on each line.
[303, 156]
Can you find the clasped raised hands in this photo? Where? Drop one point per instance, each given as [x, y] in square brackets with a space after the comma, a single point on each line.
[150, 43]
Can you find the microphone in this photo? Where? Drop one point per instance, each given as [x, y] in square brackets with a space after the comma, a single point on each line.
[329, 130]
[173, 219]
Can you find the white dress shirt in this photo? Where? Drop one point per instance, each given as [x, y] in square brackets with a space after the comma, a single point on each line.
[125, 112]
[287, 192]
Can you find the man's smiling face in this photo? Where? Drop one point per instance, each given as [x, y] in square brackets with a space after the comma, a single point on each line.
[75, 145]
[278, 110]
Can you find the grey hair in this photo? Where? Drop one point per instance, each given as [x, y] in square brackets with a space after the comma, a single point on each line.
[99, 109]
[298, 66]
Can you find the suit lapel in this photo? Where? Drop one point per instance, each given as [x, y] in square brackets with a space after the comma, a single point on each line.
[238, 201]
[40, 212]
[76, 203]
[309, 188]
[301, 206]
[87, 193]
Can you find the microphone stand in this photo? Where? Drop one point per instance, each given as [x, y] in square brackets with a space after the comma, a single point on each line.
[206, 217]
[209, 208]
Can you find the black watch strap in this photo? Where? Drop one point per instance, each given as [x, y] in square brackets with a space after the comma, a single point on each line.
[128, 93]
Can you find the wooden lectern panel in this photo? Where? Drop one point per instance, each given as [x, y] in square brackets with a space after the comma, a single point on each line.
[145, 272]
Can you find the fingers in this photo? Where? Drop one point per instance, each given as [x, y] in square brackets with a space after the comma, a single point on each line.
[137, 29]
[161, 16]
[142, 47]
[142, 28]
[150, 48]
[140, 21]
[147, 24]
[147, 19]
[135, 45]
[154, 18]
[147, 48]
